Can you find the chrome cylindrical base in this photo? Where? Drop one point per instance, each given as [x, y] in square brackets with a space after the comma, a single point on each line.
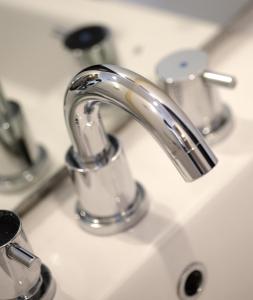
[91, 45]
[22, 275]
[19, 268]
[185, 76]
[48, 287]
[45, 288]
[116, 223]
[218, 128]
[27, 177]
[109, 200]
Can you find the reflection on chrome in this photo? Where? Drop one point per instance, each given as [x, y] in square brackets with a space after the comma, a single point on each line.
[22, 275]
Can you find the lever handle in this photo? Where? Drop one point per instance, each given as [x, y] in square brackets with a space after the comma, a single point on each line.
[22, 255]
[186, 77]
[220, 79]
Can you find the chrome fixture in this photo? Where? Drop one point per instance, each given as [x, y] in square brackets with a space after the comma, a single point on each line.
[109, 200]
[22, 276]
[22, 161]
[91, 45]
[185, 77]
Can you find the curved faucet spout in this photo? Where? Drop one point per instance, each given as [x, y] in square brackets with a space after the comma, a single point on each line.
[146, 103]
[109, 199]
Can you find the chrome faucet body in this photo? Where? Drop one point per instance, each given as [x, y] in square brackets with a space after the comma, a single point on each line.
[109, 200]
[22, 275]
[186, 78]
[23, 162]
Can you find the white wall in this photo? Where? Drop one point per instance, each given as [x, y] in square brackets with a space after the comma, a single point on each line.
[218, 11]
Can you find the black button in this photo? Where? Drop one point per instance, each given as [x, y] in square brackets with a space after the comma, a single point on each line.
[85, 37]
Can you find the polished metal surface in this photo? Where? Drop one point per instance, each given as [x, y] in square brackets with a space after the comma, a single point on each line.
[109, 199]
[184, 76]
[48, 287]
[22, 161]
[96, 161]
[19, 268]
[222, 80]
[235, 26]
[94, 45]
[21, 272]
[91, 45]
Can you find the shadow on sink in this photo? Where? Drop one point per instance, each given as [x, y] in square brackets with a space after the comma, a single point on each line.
[30, 54]
[239, 142]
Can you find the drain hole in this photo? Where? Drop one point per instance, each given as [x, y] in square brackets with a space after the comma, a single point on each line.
[193, 283]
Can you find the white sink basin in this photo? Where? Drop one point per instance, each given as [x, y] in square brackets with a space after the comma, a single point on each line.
[208, 221]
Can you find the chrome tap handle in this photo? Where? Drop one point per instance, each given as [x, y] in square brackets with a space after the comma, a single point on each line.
[184, 75]
[109, 199]
[19, 268]
[219, 79]
[22, 275]
[22, 161]
[91, 45]
[23, 256]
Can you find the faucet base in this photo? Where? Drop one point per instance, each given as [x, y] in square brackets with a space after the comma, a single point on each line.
[116, 223]
[27, 177]
[48, 288]
[45, 289]
[219, 127]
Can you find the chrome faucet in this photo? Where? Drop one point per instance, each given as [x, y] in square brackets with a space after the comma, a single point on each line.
[22, 275]
[22, 161]
[109, 200]
[185, 76]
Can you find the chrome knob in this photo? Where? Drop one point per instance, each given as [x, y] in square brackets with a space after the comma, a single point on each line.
[184, 76]
[22, 276]
[22, 161]
[19, 268]
[22, 255]
[91, 45]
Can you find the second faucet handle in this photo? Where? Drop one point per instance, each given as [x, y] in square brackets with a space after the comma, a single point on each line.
[23, 256]
[220, 79]
[22, 274]
[184, 75]
[23, 161]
